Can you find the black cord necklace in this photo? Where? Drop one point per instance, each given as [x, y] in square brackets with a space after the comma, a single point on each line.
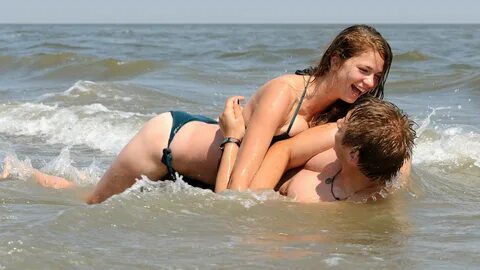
[330, 181]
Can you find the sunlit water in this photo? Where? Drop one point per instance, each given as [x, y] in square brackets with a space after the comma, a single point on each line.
[71, 96]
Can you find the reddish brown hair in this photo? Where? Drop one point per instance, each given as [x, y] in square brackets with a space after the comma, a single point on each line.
[383, 136]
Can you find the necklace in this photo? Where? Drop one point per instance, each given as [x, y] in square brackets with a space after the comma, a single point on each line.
[330, 181]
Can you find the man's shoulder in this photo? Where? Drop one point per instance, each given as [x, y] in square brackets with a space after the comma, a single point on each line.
[318, 162]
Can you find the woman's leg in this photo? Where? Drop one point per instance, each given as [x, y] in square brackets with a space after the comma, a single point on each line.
[51, 181]
[141, 156]
[41, 178]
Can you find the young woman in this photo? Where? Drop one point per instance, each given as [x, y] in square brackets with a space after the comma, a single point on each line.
[356, 63]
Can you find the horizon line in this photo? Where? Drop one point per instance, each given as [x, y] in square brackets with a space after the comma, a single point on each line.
[237, 23]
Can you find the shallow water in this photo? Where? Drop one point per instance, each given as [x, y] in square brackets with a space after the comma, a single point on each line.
[72, 95]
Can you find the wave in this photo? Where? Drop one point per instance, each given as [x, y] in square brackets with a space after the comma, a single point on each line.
[68, 65]
[411, 56]
[461, 67]
[474, 81]
[299, 52]
[121, 96]
[268, 55]
[450, 147]
[407, 82]
[104, 69]
[258, 55]
[39, 61]
[51, 45]
[93, 125]
[446, 160]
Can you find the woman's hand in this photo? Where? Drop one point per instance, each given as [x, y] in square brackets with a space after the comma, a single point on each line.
[231, 119]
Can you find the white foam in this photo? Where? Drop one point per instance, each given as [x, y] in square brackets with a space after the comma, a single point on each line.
[63, 166]
[93, 125]
[453, 145]
[333, 260]
[80, 87]
[247, 199]
[21, 169]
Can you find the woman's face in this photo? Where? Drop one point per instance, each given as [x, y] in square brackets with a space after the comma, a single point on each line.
[358, 75]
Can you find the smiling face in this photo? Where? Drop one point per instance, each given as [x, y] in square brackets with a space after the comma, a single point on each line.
[358, 75]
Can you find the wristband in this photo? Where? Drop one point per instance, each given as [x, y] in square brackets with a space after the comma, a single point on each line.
[229, 140]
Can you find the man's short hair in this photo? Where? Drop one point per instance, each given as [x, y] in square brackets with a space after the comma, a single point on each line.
[383, 135]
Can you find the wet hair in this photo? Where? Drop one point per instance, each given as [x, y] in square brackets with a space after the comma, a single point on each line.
[382, 134]
[351, 42]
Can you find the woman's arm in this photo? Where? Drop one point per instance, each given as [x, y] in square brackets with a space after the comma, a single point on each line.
[271, 109]
[293, 153]
[232, 126]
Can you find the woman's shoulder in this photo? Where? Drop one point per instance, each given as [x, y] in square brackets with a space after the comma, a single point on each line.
[286, 82]
[290, 80]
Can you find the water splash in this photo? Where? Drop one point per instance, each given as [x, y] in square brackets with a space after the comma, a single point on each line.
[63, 166]
[12, 167]
[426, 122]
[93, 125]
[453, 145]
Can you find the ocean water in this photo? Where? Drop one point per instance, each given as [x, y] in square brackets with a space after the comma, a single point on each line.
[72, 95]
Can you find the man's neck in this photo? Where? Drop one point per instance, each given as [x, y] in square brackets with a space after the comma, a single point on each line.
[350, 181]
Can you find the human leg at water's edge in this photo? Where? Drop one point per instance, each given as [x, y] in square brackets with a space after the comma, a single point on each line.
[141, 156]
[41, 178]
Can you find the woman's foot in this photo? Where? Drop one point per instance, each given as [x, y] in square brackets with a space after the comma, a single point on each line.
[7, 167]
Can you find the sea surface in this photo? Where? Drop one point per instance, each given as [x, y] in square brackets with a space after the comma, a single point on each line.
[71, 96]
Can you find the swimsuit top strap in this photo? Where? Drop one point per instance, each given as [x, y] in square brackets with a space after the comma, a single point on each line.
[307, 71]
[299, 104]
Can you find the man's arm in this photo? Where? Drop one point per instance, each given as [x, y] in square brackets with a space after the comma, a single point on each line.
[293, 153]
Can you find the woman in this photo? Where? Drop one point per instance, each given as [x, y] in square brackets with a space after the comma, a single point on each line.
[356, 62]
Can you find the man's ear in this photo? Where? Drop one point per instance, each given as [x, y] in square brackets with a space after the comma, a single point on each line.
[353, 156]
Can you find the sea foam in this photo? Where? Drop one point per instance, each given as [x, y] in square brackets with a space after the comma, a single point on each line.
[92, 125]
[451, 145]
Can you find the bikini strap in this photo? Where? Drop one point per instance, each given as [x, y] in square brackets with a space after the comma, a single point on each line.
[299, 102]
[306, 71]
[167, 160]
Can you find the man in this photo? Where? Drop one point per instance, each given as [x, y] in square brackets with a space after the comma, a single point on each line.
[370, 146]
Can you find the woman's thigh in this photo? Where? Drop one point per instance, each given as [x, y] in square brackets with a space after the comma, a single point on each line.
[141, 156]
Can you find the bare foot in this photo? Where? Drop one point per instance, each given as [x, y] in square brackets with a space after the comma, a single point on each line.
[51, 181]
[7, 167]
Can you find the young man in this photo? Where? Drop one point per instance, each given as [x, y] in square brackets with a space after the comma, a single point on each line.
[370, 146]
